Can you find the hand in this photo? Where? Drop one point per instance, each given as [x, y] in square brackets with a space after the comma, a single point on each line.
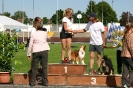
[29, 57]
[72, 34]
[74, 31]
[103, 45]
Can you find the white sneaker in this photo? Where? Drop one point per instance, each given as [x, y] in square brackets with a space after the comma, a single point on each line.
[125, 86]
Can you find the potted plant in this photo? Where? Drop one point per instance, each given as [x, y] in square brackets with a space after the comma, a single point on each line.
[8, 48]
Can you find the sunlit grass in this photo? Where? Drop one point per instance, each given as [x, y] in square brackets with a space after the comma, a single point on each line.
[55, 57]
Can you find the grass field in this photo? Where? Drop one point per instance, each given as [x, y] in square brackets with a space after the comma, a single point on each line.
[55, 57]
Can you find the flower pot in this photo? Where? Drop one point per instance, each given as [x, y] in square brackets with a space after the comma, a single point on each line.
[5, 77]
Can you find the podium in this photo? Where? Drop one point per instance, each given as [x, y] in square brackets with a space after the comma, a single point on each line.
[71, 75]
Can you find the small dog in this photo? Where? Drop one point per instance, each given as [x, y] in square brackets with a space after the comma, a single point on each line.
[107, 66]
[78, 55]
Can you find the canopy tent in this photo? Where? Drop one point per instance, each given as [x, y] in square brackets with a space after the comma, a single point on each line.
[8, 23]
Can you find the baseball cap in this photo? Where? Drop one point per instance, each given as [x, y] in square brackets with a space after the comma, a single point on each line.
[92, 15]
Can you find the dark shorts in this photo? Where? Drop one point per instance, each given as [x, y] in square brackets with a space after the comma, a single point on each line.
[97, 48]
[64, 35]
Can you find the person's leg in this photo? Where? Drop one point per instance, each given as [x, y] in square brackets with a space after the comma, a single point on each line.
[119, 62]
[44, 62]
[35, 62]
[98, 59]
[125, 72]
[92, 59]
[130, 77]
[30, 67]
[91, 62]
[69, 40]
[63, 42]
[99, 49]
[92, 53]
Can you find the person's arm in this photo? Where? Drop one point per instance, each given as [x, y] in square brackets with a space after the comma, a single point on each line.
[103, 38]
[81, 31]
[30, 47]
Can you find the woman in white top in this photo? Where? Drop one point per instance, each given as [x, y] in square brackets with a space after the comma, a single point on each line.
[66, 34]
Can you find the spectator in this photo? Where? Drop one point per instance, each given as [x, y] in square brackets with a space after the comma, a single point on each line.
[39, 47]
[127, 55]
[36, 20]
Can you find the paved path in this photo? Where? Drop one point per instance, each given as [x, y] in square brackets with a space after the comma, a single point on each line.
[39, 86]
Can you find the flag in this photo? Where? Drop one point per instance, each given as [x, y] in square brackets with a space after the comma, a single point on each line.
[111, 30]
[115, 34]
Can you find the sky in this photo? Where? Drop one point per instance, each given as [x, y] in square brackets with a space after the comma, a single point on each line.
[46, 8]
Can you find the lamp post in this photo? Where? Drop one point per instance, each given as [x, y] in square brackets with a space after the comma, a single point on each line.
[33, 9]
[57, 16]
[2, 7]
[112, 3]
[128, 13]
[102, 11]
[22, 11]
[91, 5]
[79, 16]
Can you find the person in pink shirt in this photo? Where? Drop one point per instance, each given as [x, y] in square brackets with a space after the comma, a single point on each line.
[39, 47]
[36, 20]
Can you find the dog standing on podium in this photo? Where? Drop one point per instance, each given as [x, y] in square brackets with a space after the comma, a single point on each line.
[78, 55]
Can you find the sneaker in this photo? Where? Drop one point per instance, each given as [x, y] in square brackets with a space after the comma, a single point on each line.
[61, 62]
[99, 72]
[90, 72]
[69, 61]
[125, 86]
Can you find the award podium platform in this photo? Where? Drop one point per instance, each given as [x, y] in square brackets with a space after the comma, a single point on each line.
[71, 75]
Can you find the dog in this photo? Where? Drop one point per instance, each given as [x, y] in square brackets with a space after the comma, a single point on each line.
[78, 55]
[107, 66]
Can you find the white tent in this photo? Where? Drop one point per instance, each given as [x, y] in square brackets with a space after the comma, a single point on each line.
[8, 23]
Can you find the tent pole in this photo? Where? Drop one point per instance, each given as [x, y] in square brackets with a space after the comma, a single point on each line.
[23, 35]
[28, 34]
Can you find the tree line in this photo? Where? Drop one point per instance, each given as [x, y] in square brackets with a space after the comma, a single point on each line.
[104, 11]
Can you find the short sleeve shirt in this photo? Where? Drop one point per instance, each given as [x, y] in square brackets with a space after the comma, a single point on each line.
[69, 23]
[95, 30]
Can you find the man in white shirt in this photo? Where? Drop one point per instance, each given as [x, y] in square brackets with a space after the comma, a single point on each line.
[96, 30]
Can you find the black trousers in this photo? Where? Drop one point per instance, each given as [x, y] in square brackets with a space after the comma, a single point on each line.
[43, 58]
[127, 76]
[119, 62]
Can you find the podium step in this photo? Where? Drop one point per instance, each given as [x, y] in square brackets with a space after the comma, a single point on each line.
[71, 80]
[67, 69]
[95, 80]
[23, 78]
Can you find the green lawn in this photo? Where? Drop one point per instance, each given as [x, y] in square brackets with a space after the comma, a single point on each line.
[55, 57]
